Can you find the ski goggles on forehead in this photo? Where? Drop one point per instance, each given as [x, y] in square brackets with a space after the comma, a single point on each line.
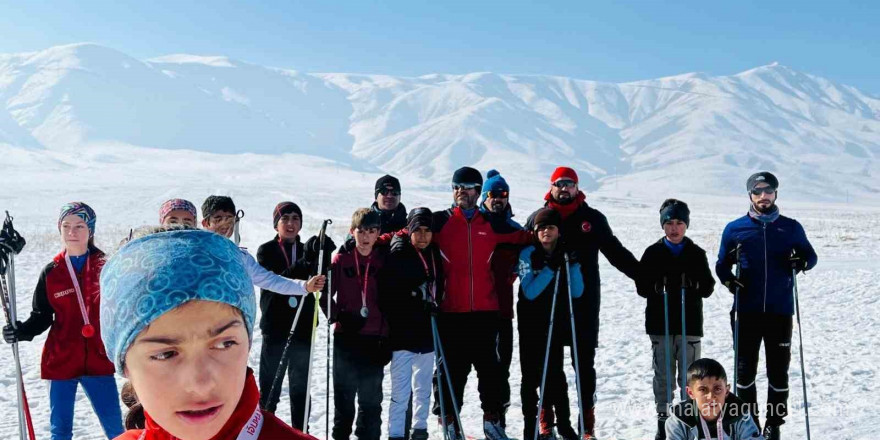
[763, 190]
[498, 194]
[563, 184]
[464, 186]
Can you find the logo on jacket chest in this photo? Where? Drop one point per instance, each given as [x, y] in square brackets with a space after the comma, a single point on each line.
[586, 227]
[64, 293]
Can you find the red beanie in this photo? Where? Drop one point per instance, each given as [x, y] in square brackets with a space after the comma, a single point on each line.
[564, 173]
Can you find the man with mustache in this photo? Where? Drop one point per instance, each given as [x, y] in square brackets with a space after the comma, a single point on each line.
[495, 206]
[585, 231]
[771, 246]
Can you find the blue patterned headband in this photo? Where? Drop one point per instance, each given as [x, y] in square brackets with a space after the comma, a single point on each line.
[155, 274]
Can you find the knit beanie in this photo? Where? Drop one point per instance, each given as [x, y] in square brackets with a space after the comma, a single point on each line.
[547, 217]
[155, 274]
[419, 217]
[385, 182]
[80, 210]
[177, 205]
[284, 208]
[466, 175]
[673, 209]
[494, 182]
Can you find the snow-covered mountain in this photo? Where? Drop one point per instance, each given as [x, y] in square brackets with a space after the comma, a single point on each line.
[688, 133]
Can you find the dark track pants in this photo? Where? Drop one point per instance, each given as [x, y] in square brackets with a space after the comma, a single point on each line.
[297, 374]
[775, 332]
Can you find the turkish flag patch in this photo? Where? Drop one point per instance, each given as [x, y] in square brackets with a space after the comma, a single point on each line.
[586, 227]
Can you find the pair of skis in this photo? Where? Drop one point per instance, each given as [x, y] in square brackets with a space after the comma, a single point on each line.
[11, 243]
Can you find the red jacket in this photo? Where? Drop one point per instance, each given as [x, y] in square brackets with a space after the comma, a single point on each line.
[273, 428]
[67, 354]
[467, 248]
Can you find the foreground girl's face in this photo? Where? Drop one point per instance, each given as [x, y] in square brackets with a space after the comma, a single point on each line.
[189, 366]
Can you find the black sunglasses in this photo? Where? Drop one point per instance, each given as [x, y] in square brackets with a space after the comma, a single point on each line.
[389, 191]
[497, 194]
[763, 190]
[562, 184]
[464, 186]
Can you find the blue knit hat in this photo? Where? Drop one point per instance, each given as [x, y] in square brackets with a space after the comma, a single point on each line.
[155, 274]
[494, 182]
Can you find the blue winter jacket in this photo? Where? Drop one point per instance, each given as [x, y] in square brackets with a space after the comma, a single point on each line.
[765, 261]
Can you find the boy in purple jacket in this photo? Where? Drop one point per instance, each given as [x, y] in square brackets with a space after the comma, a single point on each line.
[360, 343]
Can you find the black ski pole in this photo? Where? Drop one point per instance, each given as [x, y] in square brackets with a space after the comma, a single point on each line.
[11, 243]
[682, 368]
[577, 371]
[736, 322]
[445, 366]
[546, 355]
[668, 351]
[437, 375]
[329, 335]
[801, 348]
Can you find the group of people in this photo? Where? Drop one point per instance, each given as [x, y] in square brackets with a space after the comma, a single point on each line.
[430, 292]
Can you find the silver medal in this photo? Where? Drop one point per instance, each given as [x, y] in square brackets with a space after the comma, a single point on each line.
[365, 311]
[293, 302]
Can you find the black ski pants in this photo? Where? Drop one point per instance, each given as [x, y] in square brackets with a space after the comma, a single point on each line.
[355, 375]
[470, 339]
[297, 374]
[531, 352]
[505, 352]
[775, 332]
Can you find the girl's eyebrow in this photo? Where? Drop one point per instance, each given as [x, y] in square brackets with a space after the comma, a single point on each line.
[214, 332]
[171, 340]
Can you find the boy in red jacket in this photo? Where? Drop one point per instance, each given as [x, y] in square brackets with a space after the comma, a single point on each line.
[360, 342]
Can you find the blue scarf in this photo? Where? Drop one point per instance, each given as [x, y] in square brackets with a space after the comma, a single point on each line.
[674, 248]
[768, 217]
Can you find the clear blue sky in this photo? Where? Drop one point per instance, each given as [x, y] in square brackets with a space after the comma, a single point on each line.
[600, 40]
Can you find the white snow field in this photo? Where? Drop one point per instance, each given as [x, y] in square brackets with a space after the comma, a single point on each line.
[839, 305]
[85, 122]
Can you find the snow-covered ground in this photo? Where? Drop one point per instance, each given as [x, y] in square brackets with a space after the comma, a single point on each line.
[126, 185]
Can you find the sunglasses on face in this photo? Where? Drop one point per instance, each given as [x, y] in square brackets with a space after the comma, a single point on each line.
[389, 192]
[498, 194]
[564, 184]
[763, 190]
[464, 186]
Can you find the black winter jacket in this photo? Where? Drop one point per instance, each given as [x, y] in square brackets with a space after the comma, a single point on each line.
[409, 321]
[277, 315]
[658, 263]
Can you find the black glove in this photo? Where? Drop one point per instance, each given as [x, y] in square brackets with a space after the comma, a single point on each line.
[313, 245]
[13, 335]
[422, 293]
[659, 287]
[555, 261]
[351, 323]
[798, 263]
[690, 283]
[732, 285]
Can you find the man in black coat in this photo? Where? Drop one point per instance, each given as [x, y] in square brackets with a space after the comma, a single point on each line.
[668, 265]
[585, 231]
[287, 256]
